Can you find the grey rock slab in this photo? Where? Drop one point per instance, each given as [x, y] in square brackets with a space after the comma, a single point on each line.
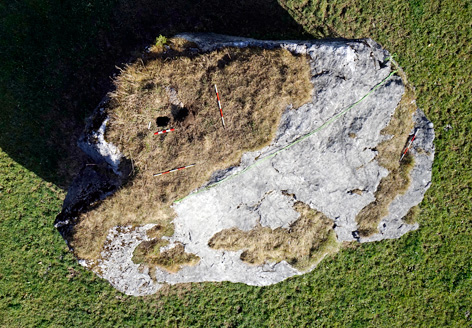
[95, 145]
[116, 263]
[276, 210]
[320, 165]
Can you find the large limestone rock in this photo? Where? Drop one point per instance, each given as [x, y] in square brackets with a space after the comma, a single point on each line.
[321, 170]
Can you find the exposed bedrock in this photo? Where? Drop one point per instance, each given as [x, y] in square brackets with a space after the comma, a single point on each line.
[334, 172]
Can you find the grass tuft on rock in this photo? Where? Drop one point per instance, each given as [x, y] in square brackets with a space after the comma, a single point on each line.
[410, 217]
[171, 260]
[303, 244]
[398, 179]
[148, 252]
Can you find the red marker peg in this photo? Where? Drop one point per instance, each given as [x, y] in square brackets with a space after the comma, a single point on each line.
[409, 145]
[164, 131]
[219, 106]
[174, 170]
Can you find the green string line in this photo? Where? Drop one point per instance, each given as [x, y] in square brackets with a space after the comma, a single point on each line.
[309, 134]
[391, 57]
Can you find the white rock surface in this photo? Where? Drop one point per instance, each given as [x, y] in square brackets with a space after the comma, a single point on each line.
[126, 276]
[320, 171]
[276, 210]
[98, 148]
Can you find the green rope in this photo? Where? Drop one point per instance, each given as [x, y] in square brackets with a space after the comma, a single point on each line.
[309, 134]
[391, 57]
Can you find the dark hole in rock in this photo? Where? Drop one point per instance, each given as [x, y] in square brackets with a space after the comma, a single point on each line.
[162, 121]
[383, 64]
[355, 234]
[141, 135]
[224, 61]
[148, 86]
[179, 113]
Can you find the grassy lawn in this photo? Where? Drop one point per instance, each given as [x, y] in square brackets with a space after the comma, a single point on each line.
[55, 59]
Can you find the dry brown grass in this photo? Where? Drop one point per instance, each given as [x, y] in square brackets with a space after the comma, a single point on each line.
[171, 260]
[255, 87]
[148, 252]
[398, 179]
[303, 244]
[410, 217]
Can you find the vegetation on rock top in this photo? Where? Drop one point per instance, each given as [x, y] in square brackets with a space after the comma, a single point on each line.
[255, 87]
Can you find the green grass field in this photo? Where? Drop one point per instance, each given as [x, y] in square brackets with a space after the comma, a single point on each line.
[55, 59]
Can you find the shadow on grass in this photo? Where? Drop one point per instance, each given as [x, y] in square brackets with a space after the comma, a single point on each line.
[57, 56]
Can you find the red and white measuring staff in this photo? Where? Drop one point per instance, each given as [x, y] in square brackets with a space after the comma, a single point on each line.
[219, 106]
[409, 145]
[173, 170]
[164, 131]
